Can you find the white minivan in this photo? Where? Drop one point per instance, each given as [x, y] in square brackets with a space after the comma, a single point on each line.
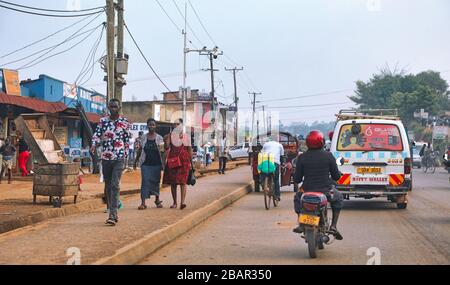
[374, 157]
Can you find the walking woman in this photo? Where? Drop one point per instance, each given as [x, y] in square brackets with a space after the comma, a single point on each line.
[178, 164]
[24, 155]
[151, 163]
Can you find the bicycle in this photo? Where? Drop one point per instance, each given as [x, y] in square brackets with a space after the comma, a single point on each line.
[268, 185]
[429, 163]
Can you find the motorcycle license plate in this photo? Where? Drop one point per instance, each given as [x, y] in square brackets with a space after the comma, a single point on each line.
[369, 170]
[309, 220]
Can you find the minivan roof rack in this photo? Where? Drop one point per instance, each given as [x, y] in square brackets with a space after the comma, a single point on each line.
[387, 114]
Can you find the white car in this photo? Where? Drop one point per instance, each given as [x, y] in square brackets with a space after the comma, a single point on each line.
[236, 152]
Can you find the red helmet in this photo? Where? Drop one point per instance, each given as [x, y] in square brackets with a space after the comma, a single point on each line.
[315, 140]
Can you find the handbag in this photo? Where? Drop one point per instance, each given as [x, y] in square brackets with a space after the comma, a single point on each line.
[173, 162]
[191, 178]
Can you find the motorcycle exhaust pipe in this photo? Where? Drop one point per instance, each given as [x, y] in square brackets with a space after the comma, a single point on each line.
[325, 239]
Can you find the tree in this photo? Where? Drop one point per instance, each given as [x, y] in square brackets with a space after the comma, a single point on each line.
[406, 92]
[423, 98]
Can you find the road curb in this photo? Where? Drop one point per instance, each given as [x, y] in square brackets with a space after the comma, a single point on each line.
[138, 250]
[47, 214]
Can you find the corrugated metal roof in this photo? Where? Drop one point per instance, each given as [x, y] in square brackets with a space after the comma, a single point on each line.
[93, 118]
[32, 104]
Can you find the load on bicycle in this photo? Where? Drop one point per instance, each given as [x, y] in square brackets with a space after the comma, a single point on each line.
[291, 147]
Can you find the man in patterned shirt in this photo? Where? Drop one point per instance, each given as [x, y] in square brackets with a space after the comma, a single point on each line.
[113, 134]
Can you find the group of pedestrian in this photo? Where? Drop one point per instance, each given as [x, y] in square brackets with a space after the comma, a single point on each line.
[7, 155]
[169, 158]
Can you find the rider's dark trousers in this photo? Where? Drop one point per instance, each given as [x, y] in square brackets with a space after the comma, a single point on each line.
[276, 177]
[336, 200]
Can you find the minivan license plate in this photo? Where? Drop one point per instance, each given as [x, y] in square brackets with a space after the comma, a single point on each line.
[369, 170]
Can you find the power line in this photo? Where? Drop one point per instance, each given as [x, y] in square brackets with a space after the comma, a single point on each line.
[53, 55]
[145, 58]
[189, 26]
[169, 75]
[91, 56]
[51, 10]
[43, 39]
[49, 49]
[71, 37]
[310, 95]
[173, 22]
[170, 18]
[201, 23]
[304, 106]
[49, 15]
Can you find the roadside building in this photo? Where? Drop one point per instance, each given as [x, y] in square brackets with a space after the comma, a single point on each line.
[45, 97]
[199, 106]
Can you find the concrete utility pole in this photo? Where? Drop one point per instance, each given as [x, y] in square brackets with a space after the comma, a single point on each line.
[119, 81]
[185, 51]
[253, 117]
[110, 12]
[213, 54]
[264, 119]
[236, 100]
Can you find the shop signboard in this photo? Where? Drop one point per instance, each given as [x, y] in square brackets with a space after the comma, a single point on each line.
[11, 82]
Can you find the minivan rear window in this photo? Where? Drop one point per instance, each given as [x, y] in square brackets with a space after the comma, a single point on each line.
[370, 137]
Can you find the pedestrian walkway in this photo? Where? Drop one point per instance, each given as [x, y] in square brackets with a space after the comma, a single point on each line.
[48, 242]
[16, 200]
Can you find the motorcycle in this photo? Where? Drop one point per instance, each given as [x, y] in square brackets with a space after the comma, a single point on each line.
[446, 157]
[315, 222]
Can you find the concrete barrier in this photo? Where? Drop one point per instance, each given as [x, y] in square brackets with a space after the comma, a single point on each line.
[140, 249]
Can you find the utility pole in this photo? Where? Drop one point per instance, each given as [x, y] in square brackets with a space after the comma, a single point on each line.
[254, 111]
[119, 80]
[110, 12]
[185, 51]
[213, 54]
[236, 100]
[264, 119]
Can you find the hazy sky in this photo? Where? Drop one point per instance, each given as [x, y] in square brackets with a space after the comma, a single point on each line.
[288, 48]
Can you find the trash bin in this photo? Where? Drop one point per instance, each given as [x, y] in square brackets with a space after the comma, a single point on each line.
[56, 181]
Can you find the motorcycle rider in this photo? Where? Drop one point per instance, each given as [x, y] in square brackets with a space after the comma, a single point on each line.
[314, 168]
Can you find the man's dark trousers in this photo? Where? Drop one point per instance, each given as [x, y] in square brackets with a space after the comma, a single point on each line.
[112, 173]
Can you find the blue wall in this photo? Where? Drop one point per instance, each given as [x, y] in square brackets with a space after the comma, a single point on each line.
[51, 90]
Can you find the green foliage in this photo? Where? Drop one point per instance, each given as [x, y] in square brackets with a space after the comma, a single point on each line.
[407, 93]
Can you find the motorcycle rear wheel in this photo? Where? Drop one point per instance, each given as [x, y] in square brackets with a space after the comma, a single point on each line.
[311, 238]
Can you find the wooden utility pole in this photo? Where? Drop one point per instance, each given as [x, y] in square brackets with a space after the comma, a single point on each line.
[110, 12]
[236, 100]
[119, 80]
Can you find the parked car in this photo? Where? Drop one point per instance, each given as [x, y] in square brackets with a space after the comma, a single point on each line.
[236, 152]
[416, 157]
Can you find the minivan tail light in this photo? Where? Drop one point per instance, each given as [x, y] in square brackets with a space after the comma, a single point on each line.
[408, 165]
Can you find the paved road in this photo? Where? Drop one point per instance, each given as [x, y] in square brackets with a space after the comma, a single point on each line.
[245, 233]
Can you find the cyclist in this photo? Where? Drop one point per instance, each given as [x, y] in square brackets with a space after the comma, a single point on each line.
[275, 148]
[314, 169]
